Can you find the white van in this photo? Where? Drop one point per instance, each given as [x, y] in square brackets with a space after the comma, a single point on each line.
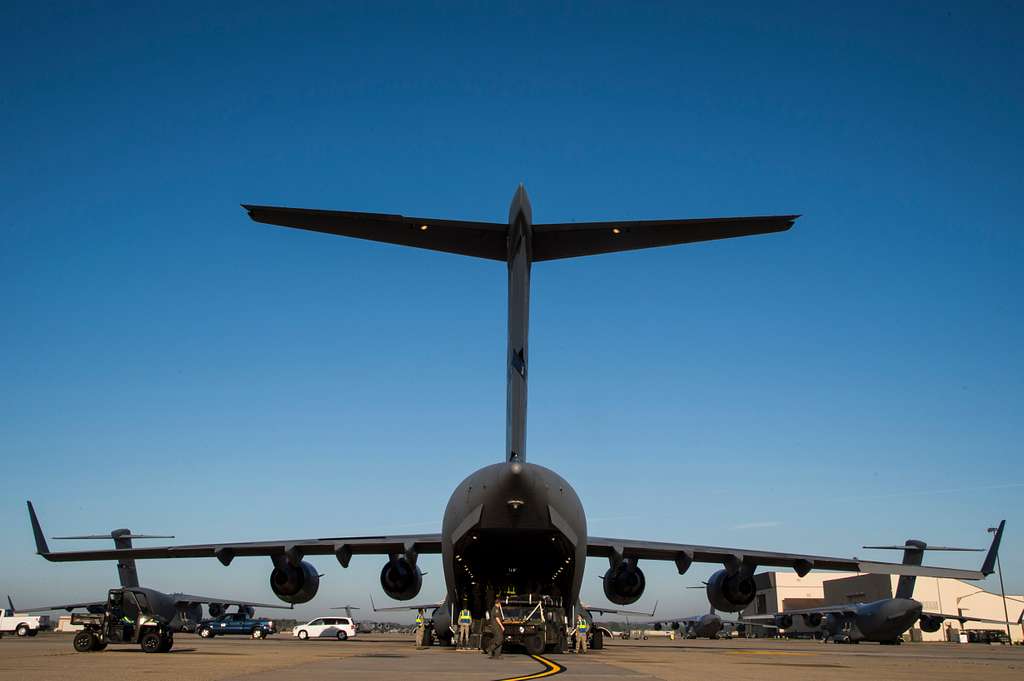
[341, 628]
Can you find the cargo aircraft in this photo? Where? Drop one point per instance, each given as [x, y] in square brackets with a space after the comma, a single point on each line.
[882, 621]
[181, 611]
[513, 526]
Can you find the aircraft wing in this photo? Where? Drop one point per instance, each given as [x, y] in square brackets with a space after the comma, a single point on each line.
[342, 548]
[488, 239]
[480, 239]
[189, 599]
[685, 554]
[67, 606]
[573, 239]
[965, 618]
[400, 608]
[613, 611]
[849, 610]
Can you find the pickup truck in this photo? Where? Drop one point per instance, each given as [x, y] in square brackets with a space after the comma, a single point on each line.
[238, 623]
[12, 622]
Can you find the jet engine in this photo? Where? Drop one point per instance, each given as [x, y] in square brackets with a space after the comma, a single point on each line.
[675, 626]
[784, 621]
[295, 584]
[812, 619]
[930, 624]
[624, 584]
[730, 593]
[217, 609]
[400, 579]
[247, 610]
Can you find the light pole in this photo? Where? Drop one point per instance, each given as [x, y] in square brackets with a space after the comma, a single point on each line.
[1006, 612]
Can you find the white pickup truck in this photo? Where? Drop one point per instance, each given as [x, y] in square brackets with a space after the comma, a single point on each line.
[12, 622]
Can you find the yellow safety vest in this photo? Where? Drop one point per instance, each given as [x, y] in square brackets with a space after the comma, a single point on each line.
[419, 619]
[465, 617]
[582, 626]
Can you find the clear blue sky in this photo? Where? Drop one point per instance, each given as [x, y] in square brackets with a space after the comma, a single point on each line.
[168, 365]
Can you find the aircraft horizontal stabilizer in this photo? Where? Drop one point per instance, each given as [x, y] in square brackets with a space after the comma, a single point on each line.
[479, 239]
[573, 239]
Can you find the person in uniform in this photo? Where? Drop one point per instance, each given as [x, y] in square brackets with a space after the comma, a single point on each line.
[581, 635]
[497, 630]
[465, 624]
[421, 629]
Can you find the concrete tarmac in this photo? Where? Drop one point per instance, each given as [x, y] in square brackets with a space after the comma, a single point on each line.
[49, 657]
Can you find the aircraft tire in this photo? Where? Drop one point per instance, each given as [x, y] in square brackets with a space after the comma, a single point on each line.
[98, 645]
[84, 642]
[597, 640]
[33, 632]
[166, 643]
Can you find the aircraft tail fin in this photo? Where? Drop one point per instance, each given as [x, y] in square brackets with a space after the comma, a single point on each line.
[127, 572]
[913, 554]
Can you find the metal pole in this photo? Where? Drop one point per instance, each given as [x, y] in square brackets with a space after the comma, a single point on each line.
[1006, 613]
[1002, 590]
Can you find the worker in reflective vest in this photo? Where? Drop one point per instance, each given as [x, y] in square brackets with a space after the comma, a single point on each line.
[421, 629]
[581, 635]
[465, 624]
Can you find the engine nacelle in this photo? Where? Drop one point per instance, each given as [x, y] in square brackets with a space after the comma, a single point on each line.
[730, 593]
[295, 584]
[930, 624]
[247, 610]
[657, 626]
[400, 579]
[624, 584]
[217, 609]
[675, 626]
[812, 619]
[784, 621]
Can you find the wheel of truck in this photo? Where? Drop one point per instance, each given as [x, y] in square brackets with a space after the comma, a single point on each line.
[22, 630]
[205, 632]
[303, 634]
[151, 642]
[258, 633]
[534, 644]
[597, 640]
[84, 641]
[342, 636]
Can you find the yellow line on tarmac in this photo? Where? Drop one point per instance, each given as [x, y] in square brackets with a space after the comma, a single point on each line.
[550, 669]
[768, 652]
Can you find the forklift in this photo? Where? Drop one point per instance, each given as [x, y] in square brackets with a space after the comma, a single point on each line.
[126, 618]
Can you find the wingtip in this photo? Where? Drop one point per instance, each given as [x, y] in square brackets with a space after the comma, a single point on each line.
[41, 548]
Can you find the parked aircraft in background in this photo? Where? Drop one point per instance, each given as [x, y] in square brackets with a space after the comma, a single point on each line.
[884, 620]
[182, 611]
[513, 526]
